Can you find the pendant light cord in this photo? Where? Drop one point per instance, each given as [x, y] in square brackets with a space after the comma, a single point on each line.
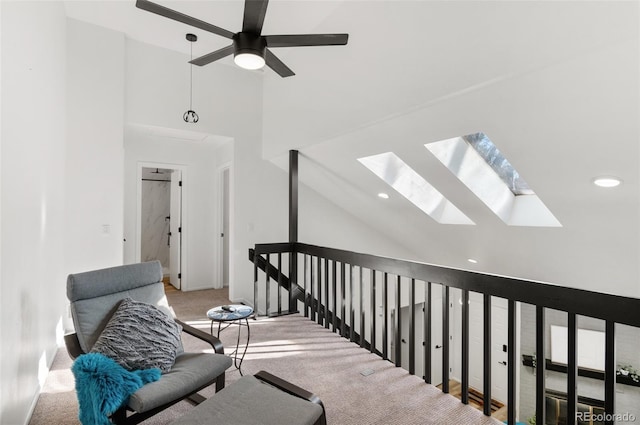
[191, 80]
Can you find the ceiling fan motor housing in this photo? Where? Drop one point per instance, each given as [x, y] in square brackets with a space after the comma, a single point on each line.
[244, 42]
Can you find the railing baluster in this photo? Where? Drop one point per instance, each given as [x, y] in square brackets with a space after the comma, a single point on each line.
[343, 319]
[511, 363]
[334, 286]
[445, 338]
[464, 390]
[268, 285]
[541, 365]
[572, 368]
[306, 294]
[326, 293]
[319, 279]
[352, 309]
[487, 355]
[372, 322]
[427, 332]
[398, 326]
[412, 327]
[385, 321]
[361, 309]
[280, 284]
[255, 282]
[610, 371]
[312, 284]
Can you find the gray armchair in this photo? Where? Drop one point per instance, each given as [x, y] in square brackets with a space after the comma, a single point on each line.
[95, 295]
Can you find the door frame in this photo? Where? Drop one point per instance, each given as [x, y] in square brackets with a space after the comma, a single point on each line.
[218, 256]
[138, 234]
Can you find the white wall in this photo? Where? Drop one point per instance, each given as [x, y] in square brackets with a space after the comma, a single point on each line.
[95, 153]
[32, 287]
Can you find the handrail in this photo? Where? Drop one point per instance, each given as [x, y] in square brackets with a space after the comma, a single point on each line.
[599, 305]
[610, 308]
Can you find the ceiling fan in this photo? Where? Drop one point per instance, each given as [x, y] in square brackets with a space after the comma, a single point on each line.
[250, 48]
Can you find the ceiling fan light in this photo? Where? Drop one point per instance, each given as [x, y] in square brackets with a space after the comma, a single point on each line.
[249, 60]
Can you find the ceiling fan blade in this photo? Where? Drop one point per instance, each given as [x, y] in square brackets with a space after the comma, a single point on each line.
[181, 17]
[294, 40]
[254, 12]
[277, 65]
[213, 56]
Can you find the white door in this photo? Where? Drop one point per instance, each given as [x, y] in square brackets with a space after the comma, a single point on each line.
[225, 227]
[476, 342]
[499, 355]
[175, 229]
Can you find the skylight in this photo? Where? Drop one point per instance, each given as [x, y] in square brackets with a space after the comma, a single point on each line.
[478, 163]
[492, 156]
[406, 181]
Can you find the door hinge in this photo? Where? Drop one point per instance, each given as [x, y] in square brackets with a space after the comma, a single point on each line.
[179, 229]
[180, 183]
[179, 275]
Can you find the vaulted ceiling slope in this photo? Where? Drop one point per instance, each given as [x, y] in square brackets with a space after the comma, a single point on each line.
[554, 84]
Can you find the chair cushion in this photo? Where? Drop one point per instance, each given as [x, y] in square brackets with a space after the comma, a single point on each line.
[140, 336]
[249, 401]
[190, 372]
[95, 295]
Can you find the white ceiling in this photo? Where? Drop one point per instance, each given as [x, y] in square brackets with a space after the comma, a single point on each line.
[554, 84]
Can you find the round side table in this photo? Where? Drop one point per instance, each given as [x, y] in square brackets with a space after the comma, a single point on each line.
[239, 315]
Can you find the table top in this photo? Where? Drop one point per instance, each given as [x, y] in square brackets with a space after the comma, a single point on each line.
[241, 311]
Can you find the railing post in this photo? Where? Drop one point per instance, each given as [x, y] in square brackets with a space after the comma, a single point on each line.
[412, 327]
[306, 297]
[610, 371]
[427, 332]
[541, 365]
[362, 316]
[352, 309]
[268, 285]
[326, 293]
[319, 279]
[385, 321]
[343, 319]
[334, 286]
[512, 363]
[312, 291]
[372, 322]
[445, 339]
[398, 326]
[280, 284]
[572, 368]
[255, 282]
[293, 227]
[464, 391]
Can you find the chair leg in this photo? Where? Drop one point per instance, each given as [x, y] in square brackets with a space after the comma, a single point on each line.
[119, 416]
[220, 382]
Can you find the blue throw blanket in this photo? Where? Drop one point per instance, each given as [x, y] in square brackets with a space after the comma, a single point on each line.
[103, 386]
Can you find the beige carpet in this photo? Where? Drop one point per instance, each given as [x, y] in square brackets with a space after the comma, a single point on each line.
[302, 352]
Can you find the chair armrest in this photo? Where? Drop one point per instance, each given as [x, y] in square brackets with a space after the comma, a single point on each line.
[73, 345]
[212, 340]
[288, 387]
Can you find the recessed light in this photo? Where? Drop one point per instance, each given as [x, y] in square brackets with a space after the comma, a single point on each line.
[607, 181]
[471, 260]
[383, 195]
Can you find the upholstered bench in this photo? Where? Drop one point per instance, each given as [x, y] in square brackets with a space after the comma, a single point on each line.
[261, 399]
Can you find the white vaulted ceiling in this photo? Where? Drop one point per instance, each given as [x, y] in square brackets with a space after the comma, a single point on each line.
[554, 84]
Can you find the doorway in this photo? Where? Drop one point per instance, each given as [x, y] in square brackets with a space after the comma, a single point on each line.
[160, 220]
[224, 190]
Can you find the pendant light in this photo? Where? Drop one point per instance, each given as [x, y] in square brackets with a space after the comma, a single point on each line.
[190, 116]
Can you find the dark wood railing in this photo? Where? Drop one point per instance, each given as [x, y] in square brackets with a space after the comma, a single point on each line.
[330, 287]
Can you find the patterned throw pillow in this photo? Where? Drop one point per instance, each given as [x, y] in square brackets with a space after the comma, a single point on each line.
[140, 336]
